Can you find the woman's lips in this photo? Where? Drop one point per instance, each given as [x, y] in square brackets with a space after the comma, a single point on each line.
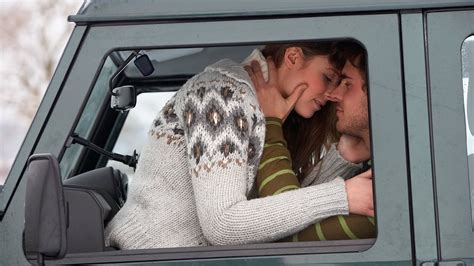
[318, 104]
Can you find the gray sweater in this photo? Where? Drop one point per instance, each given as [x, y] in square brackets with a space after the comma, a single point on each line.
[195, 178]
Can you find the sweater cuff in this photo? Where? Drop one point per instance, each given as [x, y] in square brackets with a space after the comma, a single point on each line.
[339, 186]
[274, 120]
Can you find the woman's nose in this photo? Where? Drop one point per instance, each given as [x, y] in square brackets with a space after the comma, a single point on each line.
[331, 98]
[336, 94]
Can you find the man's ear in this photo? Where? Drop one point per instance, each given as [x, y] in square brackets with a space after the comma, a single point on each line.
[294, 58]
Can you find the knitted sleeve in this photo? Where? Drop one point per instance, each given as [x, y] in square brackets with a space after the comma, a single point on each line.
[331, 166]
[275, 176]
[220, 126]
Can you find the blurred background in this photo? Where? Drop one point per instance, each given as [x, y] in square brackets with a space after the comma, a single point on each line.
[33, 34]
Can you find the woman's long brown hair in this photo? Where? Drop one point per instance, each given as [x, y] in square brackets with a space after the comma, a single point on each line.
[306, 137]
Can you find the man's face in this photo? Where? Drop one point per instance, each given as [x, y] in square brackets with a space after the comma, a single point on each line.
[351, 103]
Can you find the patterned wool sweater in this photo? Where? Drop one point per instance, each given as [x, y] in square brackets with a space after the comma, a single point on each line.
[195, 178]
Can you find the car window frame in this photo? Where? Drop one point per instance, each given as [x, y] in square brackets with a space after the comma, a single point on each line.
[97, 100]
[385, 86]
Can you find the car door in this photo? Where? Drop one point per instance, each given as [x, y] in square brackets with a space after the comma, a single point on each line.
[379, 33]
[450, 45]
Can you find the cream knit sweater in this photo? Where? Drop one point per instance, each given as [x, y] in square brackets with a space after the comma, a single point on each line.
[195, 177]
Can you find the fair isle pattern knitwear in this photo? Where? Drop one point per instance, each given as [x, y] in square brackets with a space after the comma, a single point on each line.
[194, 180]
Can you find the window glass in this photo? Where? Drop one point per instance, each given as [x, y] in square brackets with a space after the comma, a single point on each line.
[467, 52]
[83, 128]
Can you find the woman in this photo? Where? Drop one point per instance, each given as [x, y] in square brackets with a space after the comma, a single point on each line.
[197, 172]
[280, 172]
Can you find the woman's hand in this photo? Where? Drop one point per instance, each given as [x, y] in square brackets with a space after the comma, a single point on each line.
[270, 98]
[353, 149]
[360, 195]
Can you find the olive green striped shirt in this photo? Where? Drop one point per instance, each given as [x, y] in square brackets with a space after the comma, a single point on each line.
[275, 175]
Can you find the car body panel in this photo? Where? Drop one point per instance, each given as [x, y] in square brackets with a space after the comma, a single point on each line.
[401, 51]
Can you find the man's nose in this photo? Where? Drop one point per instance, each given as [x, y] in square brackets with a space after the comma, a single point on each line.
[336, 94]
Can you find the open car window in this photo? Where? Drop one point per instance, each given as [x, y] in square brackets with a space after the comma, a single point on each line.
[87, 96]
[128, 132]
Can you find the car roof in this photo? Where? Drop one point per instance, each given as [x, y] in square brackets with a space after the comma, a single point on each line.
[125, 10]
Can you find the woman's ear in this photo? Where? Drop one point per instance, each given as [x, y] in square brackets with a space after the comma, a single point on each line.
[294, 58]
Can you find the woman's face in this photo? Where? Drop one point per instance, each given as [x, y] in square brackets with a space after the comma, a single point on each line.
[318, 76]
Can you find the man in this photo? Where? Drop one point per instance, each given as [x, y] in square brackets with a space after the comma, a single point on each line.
[350, 97]
[351, 102]
[352, 113]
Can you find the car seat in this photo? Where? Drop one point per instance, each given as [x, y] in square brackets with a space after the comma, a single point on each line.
[70, 216]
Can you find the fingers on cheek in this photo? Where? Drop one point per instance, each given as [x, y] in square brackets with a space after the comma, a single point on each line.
[254, 65]
[249, 70]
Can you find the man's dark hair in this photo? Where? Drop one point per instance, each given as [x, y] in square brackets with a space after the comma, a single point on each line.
[356, 55]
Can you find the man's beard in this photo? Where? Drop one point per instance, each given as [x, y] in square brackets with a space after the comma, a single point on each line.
[353, 126]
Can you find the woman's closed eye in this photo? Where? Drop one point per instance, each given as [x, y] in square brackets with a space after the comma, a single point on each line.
[347, 83]
[327, 79]
[331, 79]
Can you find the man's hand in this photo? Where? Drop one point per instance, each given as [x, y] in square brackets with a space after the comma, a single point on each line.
[360, 195]
[270, 98]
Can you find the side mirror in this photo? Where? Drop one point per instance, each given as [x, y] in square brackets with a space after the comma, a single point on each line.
[123, 98]
[45, 210]
[144, 65]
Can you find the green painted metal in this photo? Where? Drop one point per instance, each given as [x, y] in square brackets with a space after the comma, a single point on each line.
[419, 145]
[122, 10]
[449, 131]
[393, 34]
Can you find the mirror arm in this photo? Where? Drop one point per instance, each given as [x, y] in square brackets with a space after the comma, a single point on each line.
[126, 159]
[127, 61]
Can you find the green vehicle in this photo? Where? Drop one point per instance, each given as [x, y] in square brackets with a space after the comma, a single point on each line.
[71, 173]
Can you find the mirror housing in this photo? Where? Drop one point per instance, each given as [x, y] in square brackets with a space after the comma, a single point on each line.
[144, 65]
[123, 98]
[45, 209]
